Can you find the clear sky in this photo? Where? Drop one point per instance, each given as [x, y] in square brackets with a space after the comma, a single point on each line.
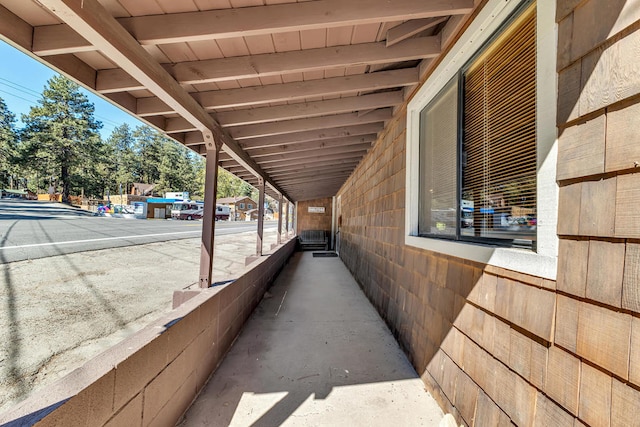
[22, 80]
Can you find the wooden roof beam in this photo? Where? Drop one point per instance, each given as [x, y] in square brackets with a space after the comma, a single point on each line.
[311, 145]
[310, 173]
[294, 91]
[319, 164]
[411, 28]
[310, 109]
[317, 159]
[94, 23]
[275, 64]
[301, 125]
[312, 136]
[315, 153]
[294, 111]
[251, 21]
[330, 176]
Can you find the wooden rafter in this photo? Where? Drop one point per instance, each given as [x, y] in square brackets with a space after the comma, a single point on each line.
[90, 19]
[251, 21]
[310, 109]
[273, 64]
[312, 136]
[301, 125]
[411, 28]
[257, 95]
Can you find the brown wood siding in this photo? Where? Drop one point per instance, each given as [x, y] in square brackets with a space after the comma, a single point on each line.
[495, 346]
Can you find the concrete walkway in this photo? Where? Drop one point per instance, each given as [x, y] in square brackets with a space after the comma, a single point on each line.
[315, 352]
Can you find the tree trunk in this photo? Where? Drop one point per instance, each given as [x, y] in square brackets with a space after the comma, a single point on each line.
[64, 176]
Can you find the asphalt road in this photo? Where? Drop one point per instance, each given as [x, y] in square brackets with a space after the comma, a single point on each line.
[31, 230]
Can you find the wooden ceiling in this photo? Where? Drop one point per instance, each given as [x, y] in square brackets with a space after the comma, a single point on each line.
[297, 91]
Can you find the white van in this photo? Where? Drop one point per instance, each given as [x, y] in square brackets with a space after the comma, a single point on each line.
[178, 207]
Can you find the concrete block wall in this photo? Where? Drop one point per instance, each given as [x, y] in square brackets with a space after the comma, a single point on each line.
[151, 378]
[497, 347]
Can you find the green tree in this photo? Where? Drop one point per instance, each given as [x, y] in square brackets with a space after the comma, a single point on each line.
[125, 163]
[149, 152]
[61, 139]
[230, 185]
[8, 145]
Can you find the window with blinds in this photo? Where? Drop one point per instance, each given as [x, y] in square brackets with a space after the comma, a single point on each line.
[499, 144]
[478, 145]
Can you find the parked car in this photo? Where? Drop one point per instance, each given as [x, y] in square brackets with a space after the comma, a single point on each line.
[191, 214]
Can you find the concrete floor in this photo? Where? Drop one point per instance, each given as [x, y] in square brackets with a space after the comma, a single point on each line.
[315, 352]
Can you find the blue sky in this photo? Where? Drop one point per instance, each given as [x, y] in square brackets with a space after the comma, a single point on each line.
[22, 80]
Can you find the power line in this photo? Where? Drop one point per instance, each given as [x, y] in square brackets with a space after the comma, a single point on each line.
[9, 82]
[14, 95]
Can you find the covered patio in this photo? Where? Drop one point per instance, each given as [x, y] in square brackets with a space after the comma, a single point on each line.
[474, 161]
[314, 352]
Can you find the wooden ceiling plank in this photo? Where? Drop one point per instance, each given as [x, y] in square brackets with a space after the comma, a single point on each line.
[328, 163]
[283, 178]
[297, 170]
[310, 136]
[300, 125]
[320, 179]
[306, 89]
[95, 24]
[152, 106]
[310, 171]
[310, 109]
[179, 124]
[242, 67]
[116, 80]
[411, 28]
[15, 30]
[337, 157]
[312, 154]
[311, 145]
[57, 40]
[257, 95]
[253, 21]
[74, 68]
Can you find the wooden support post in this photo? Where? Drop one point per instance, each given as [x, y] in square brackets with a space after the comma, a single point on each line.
[286, 226]
[294, 218]
[260, 216]
[279, 238]
[208, 217]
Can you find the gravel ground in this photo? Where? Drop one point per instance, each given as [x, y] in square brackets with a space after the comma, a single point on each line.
[58, 312]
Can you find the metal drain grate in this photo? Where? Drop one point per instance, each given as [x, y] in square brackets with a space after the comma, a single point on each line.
[325, 255]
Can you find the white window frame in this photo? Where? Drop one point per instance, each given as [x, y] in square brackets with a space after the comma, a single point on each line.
[543, 261]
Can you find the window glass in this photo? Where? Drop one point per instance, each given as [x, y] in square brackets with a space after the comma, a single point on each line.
[477, 147]
[499, 144]
[438, 157]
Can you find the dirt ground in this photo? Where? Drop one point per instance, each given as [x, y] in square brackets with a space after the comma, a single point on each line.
[58, 312]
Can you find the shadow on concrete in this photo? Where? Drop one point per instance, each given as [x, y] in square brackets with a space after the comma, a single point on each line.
[109, 308]
[314, 337]
[34, 417]
[13, 374]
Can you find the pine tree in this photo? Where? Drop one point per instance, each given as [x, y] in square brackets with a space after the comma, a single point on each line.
[8, 144]
[123, 158]
[61, 139]
[148, 149]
